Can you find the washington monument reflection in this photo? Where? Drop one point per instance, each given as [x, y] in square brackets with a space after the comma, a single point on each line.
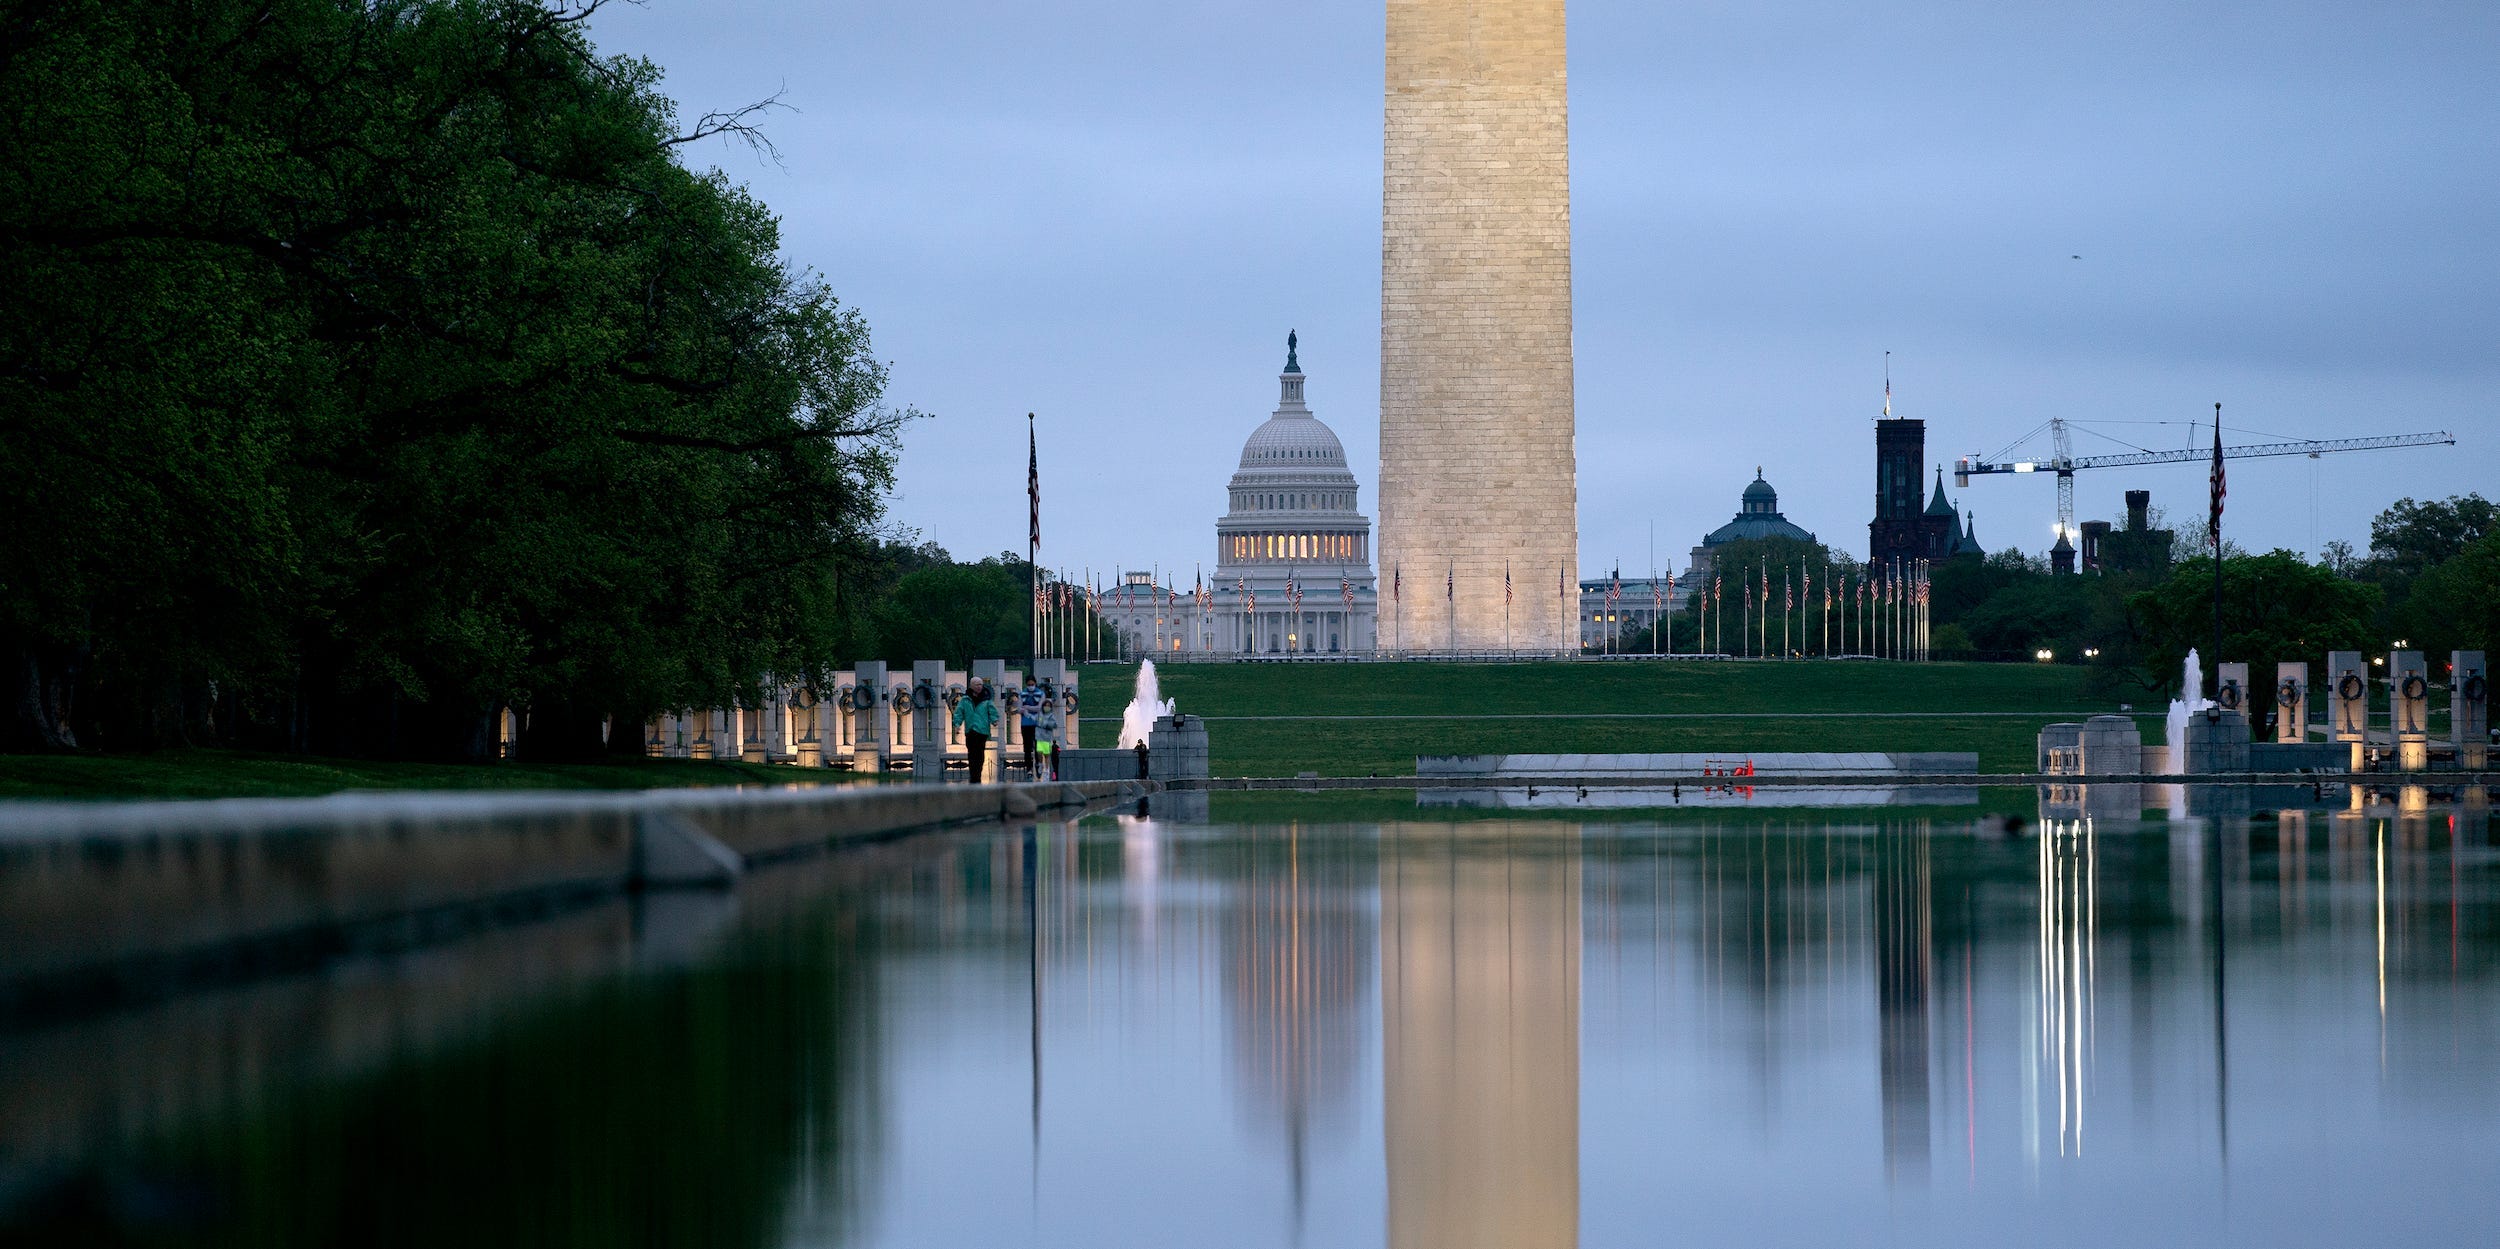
[1480, 1034]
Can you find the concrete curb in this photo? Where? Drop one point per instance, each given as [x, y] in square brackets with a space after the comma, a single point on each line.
[125, 898]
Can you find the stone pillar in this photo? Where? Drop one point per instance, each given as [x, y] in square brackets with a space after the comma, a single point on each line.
[2348, 702]
[927, 697]
[869, 736]
[1056, 684]
[751, 746]
[2409, 709]
[2291, 703]
[2231, 687]
[897, 704]
[2469, 709]
[701, 746]
[810, 708]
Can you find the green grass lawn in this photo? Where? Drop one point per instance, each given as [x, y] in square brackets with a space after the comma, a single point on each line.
[241, 774]
[1453, 704]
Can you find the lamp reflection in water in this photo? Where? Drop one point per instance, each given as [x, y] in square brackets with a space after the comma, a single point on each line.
[1480, 1034]
[2067, 972]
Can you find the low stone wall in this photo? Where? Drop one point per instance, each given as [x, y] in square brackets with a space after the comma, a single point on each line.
[1098, 765]
[99, 896]
[1690, 766]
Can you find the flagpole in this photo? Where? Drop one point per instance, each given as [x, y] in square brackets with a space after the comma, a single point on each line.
[1033, 538]
[2218, 491]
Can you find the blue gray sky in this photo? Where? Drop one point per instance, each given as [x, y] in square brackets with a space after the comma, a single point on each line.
[1109, 214]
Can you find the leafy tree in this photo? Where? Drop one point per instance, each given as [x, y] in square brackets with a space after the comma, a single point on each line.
[372, 367]
[2455, 605]
[2276, 607]
[2409, 538]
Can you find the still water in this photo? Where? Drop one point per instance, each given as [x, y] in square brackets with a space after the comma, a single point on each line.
[1797, 1028]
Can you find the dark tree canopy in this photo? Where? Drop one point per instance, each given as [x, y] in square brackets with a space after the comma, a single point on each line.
[2276, 608]
[369, 367]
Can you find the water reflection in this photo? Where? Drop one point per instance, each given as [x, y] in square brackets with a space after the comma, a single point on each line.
[1480, 1034]
[1299, 945]
[1801, 1027]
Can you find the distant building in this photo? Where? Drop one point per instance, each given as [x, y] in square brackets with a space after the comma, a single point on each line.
[1903, 532]
[1758, 516]
[1636, 606]
[2137, 548]
[1293, 530]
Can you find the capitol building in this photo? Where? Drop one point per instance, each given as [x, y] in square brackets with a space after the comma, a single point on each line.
[1293, 554]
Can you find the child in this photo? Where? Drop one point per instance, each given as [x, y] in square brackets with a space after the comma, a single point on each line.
[1048, 736]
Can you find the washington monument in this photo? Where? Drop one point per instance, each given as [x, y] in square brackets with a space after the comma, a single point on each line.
[1479, 499]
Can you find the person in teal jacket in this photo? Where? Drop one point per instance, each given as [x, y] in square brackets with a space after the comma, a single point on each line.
[976, 713]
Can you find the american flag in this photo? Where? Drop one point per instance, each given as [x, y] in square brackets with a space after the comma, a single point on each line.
[1449, 585]
[1345, 590]
[1397, 584]
[2214, 527]
[1033, 480]
[1614, 590]
[1505, 585]
[1293, 592]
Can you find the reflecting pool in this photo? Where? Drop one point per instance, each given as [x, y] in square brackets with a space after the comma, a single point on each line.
[1774, 1027]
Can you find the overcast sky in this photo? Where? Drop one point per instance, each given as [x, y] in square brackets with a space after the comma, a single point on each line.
[1110, 213]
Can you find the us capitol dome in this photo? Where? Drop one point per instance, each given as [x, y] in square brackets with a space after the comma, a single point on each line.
[1292, 524]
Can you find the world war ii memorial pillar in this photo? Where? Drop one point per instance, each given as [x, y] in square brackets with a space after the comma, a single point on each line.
[928, 720]
[2348, 702]
[868, 735]
[2469, 709]
[2409, 709]
[1478, 479]
[2291, 702]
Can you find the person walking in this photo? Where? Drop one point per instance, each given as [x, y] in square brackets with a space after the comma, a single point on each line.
[976, 713]
[1029, 710]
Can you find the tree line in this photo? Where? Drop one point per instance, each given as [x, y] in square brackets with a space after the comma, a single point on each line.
[2430, 579]
[367, 368]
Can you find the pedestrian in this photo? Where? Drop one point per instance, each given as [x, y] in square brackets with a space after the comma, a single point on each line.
[1028, 710]
[976, 714]
[1048, 731]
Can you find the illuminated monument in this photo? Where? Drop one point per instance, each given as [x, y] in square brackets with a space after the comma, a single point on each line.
[1477, 474]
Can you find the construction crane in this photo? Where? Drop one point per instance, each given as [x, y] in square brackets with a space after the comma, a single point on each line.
[2065, 463]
